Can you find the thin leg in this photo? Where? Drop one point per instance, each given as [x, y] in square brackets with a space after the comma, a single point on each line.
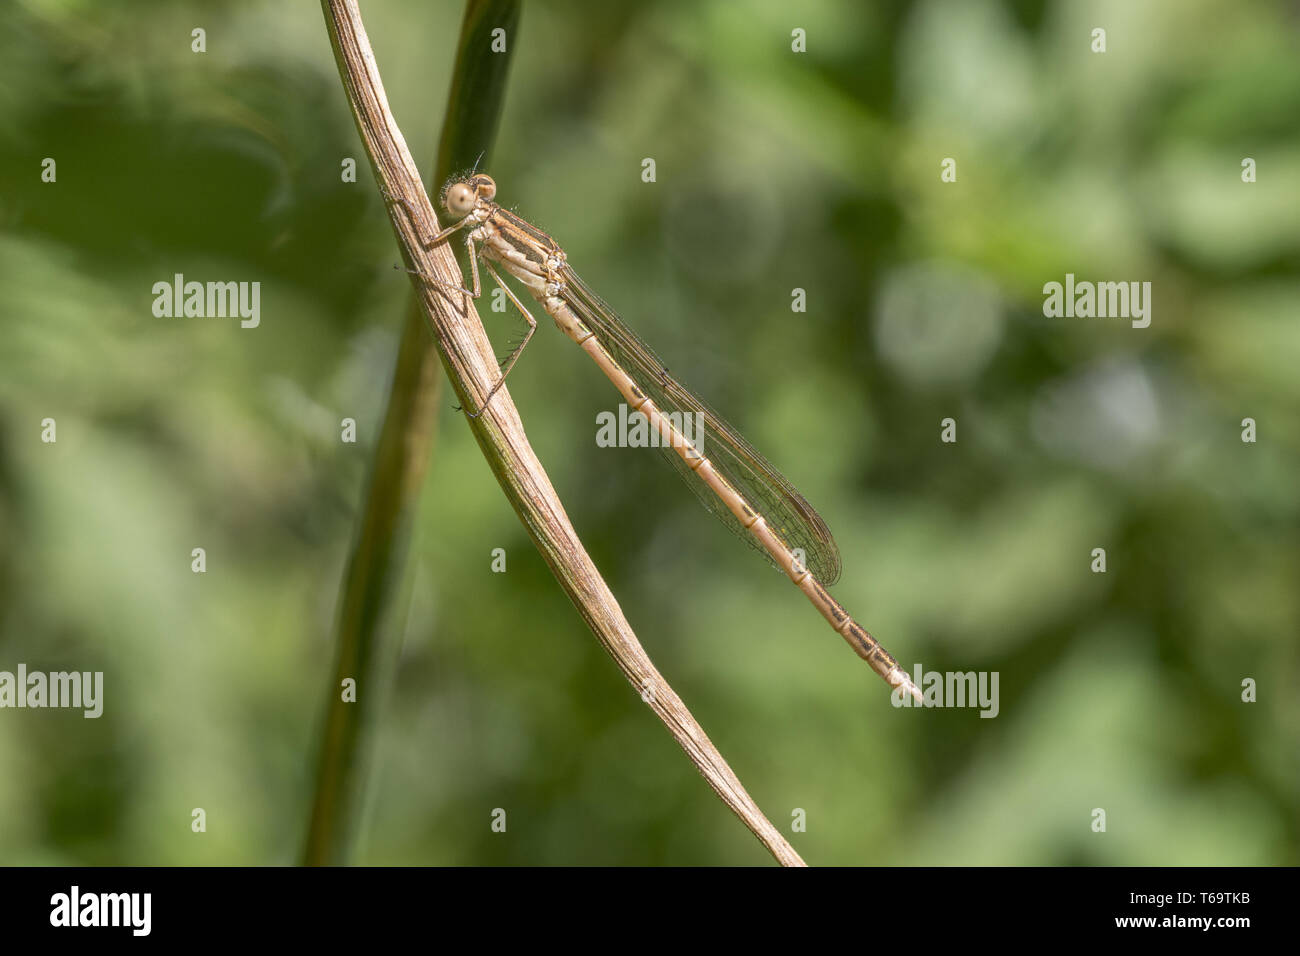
[513, 357]
[473, 268]
[430, 241]
[426, 240]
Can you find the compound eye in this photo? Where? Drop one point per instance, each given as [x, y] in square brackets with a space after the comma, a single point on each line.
[487, 187]
[460, 200]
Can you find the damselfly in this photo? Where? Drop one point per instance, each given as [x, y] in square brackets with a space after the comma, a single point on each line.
[734, 481]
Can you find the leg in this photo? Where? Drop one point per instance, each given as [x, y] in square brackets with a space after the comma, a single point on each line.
[473, 268]
[410, 211]
[430, 241]
[426, 240]
[513, 357]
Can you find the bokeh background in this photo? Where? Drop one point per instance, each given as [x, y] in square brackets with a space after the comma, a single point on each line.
[775, 170]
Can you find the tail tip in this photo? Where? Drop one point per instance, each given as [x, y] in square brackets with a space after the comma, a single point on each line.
[899, 680]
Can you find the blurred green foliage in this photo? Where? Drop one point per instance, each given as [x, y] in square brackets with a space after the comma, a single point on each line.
[775, 171]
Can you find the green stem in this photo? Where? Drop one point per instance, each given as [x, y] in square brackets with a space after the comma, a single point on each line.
[372, 606]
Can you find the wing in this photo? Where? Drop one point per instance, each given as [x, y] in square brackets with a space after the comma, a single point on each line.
[787, 513]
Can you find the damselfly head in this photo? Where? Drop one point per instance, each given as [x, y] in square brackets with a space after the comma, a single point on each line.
[460, 197]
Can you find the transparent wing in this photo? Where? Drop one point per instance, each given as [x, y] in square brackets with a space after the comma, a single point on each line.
[785, 510]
